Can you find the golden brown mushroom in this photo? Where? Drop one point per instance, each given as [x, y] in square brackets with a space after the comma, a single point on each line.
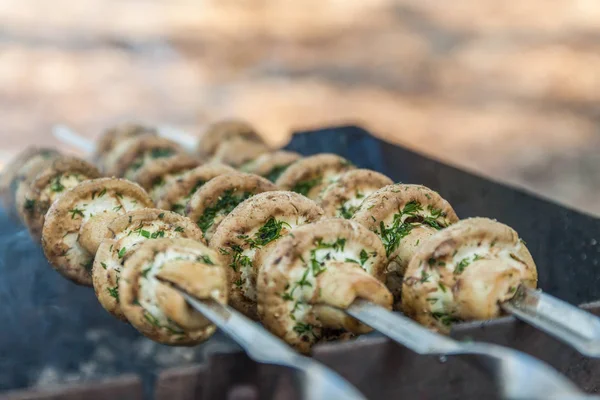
[149, 301]
[223, 131]
[155, 176]
[343, 197]
[238, 151]
[247, 235]
[77, 221]
[219, 196]
[113, 136]
[309, 176]
[404, 217]
[464, 272]
[313, 272]
[17, 170]
[272, 164]
[176, 194]
[133, 153]
[62, 174]
[124, 234]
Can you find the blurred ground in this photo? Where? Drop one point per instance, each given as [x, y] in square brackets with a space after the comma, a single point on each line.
[508, 89]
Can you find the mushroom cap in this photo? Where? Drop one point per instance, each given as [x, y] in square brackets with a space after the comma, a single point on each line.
[410, 214]
[343, 197]
[310, 175]
[302, 280]
[133, 153]
[219, 196]
[124, 234]
[62, 174]
[149, 301]
[177, 193]
[464, 271]
[251, 231]
[14, 171]
[238, 151]
[79, 206]
[154, 176]
[272, 164]
[223, 131]
[113, 136]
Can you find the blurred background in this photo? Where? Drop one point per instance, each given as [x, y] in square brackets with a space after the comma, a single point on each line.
[507, 89]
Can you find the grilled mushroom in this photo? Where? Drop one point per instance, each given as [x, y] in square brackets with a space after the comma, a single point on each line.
[124, 234]
[223, 131]
[272, 164]
[177, 193]
[464, 272]
[247, 235]
[310, 175]
[113, 136]
[77, 221]
[149, 301]
[62, 174]
[155, 176]
[404, 217]
[315, 270]
[238, 151]
[219, 196]
[18, 170]
[133, 153]
[343, 197]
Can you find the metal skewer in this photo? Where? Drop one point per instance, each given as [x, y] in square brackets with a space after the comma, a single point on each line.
[565, 322]
[519, 376]
[315, 380]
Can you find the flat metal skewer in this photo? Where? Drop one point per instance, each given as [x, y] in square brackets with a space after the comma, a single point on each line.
[567, 323]
[519, 376]
[315, 382]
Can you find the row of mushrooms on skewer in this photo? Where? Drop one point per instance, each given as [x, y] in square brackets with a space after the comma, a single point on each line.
[287, 240]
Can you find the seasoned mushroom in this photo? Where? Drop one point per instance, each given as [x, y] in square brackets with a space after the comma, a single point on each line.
[149, 301]
[62, 174]
[464, 272]
[247, 235]
[223, 131]
[313, 272]
[30, 159]
[155, 176]
[77, 221]
[133, 153]
[308, 176]
[238, 151]
[177, 193]
[113, 136]
[343, 197]
[219, 196]
[124, 234]
[271, 165]
[404, 217]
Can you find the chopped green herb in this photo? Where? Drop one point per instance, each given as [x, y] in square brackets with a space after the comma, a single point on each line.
[119, 195]
[267, 233]
[179, 229]
[178, 208]
[161, 215]
[460, 267]
[303, 329]
[102, 193]
[424, 276]
[287, 296]
[114, 292]
[197, 186]
[117, 208]
[160, 153]
[276, 172]
[350, 260]
[56, 185]
[224, 205]
[103, 264]
[145, 271]
[444, 318]
[304, 187]
[157, 234]
[303, 282]
[76, 211]
[205, 259]
[151, 319]
[122, 252]
[442, 287]
[364, 256]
